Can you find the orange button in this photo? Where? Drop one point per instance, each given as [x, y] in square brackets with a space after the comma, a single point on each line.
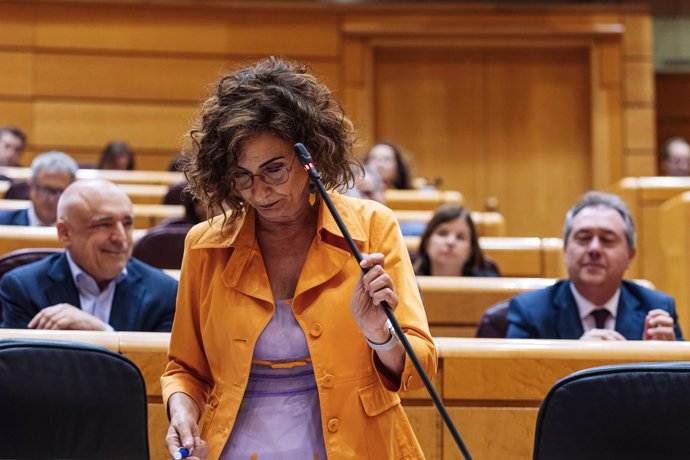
[328, 380]
[316, 330]
[214, 403]
[333, 425]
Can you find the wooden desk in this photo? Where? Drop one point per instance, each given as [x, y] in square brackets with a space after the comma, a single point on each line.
[119, 177]
[518, 257]
[145, 215]
[14, 237]
[674, 220]
[454, 304]
[644, 196]
[145, 193]
[422, 200]
[486, 223]
[492, 388]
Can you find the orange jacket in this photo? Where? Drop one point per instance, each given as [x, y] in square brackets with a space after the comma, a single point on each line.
[225, 301]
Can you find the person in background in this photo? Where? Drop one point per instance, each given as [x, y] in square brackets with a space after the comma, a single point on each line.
[95, 284]
[449, 246]
[368, 185]
[117, 155]
[595, 302]
[269, 294]
[51, 173]
[12, 145]
[389, 161]
[675, 156]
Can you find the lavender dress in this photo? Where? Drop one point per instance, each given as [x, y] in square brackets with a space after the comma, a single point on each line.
[279, 417]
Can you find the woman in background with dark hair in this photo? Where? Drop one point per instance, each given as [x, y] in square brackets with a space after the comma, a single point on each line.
[389, 161]
[450, 246]
[117, 155]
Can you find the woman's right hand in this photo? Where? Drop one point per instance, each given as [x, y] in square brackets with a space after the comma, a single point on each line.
[183, 430]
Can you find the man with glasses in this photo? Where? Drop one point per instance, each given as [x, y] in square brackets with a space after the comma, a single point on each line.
[51, 173]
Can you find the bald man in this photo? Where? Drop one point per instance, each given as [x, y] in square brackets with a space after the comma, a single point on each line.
[95, 284]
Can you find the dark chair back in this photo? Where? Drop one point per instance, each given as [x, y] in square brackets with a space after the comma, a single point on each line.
[162, 247]
[19, 257]
[625, 411]
[175, 194]
[18, 191]
[494, 322]
[70, 400]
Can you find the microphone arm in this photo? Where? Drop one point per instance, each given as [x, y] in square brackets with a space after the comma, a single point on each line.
[308, 164]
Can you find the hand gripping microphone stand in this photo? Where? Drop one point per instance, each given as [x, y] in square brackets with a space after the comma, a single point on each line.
[308, 164]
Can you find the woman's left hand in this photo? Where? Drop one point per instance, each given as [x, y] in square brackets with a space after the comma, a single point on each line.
[373, 288]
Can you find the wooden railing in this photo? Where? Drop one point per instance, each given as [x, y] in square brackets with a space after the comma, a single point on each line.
[492, 388]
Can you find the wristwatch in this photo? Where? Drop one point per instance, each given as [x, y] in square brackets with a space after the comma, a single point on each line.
[389, 344]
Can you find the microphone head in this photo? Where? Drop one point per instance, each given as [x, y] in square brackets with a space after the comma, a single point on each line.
[303, 154]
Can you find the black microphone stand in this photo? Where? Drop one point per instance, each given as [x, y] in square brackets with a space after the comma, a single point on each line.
[308, 164]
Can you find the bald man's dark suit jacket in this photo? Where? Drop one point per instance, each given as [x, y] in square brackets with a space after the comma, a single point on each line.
[17, 217]
[551, 313]
[144, 300]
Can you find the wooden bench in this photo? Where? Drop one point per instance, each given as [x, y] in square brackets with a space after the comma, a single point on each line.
[119, 177]
[487, 223]
[138, 193]
[454, 305]
[14, 237]
[674, 217]
[145, 215]
[645, 196]
[517, 256]
[421, 200]
[491, 388]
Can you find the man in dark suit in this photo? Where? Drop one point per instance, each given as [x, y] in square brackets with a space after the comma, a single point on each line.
[51, 173]
[595, 303]
[94, 284]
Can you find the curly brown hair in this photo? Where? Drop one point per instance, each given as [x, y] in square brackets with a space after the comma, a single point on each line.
[273, 96]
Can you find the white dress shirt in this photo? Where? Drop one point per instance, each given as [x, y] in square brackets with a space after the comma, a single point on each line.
[94, 301]
[586, 307]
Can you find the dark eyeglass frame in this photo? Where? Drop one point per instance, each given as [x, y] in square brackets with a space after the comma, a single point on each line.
[263, 177]
[47, 191]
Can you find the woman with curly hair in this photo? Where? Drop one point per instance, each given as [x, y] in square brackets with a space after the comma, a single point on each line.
[449, 246]
[280, 348]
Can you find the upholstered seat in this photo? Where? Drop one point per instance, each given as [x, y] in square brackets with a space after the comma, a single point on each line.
[494, 322]
[69, 400]
[162, 246]
[624, 411]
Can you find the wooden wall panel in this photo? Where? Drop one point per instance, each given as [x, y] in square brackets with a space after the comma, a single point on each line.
[149, 78]
[186, 30]
[18, 113]
[161, 56]
[439, 121]
[492, 433]
[639, 82]
[639, 127]
[16, 66]
[532, 140]
[16, 23]
[126, 77]
[88, 124]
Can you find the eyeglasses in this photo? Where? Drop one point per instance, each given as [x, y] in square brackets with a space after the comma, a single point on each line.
[273, 174]
[48, 192]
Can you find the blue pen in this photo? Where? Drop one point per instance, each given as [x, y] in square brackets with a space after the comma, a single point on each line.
[181, 453]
